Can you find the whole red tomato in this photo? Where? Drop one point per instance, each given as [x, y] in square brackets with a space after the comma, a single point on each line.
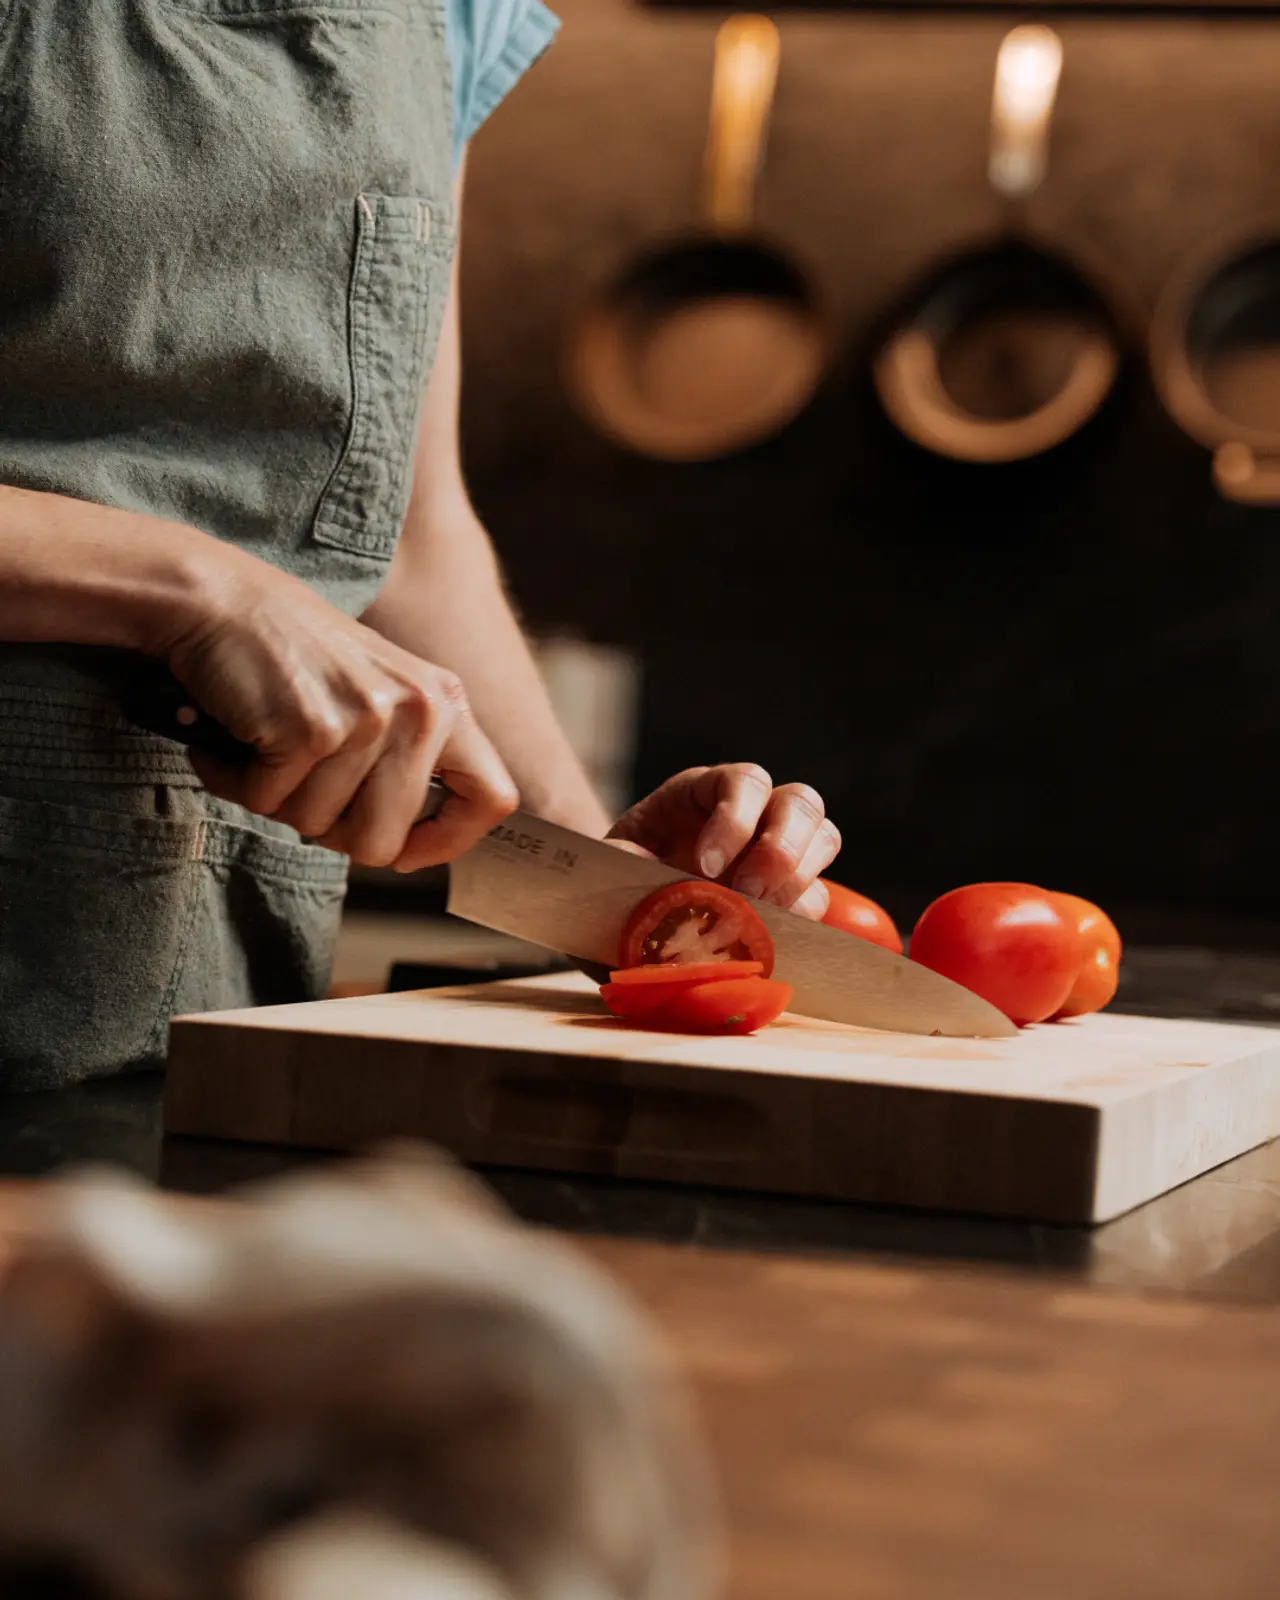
[852, 912]
[1098, 974]
[1011, 943]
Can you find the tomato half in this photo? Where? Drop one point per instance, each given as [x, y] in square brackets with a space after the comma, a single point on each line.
[740, 1005]
[636, 991]
[695, 921]
[1098, 975]
[854, 913]
[1011, 943]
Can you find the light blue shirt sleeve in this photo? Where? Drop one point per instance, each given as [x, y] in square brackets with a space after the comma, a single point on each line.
[491, 44]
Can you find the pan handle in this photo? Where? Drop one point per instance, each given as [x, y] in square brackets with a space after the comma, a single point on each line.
[746, 73]
[1028, 68]
[1240, 475]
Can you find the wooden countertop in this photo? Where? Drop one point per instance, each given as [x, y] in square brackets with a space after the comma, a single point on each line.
[892, 1434]
[885, 1433]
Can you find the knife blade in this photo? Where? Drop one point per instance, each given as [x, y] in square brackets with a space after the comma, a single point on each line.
[553, 887]
[572, 894]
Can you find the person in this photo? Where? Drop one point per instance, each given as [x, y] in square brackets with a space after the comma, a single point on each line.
[229, 372]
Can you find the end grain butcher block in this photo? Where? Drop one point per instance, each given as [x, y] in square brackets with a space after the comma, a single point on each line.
[1075, 1123]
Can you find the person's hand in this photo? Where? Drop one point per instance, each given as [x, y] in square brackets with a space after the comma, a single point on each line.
[349, 728]
[730, 824]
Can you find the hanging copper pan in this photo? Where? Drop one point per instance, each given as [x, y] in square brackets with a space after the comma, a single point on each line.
[1008, 349]
[712, 343]
[1215, 358]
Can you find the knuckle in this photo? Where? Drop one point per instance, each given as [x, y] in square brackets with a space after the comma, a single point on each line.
[450, 688]
[834, 838]
[375, 714]
[322, 734]
[332, 836]
[373, 850]
[498, 799]
[313, 822]
[263, 790]
[813, 902]
[804, 798]
[277, 731]
[416, 710]
[752, 772]
[782, 848]
[504, 799]
[416, 714]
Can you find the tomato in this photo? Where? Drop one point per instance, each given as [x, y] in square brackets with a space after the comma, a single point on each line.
[1008, 942]
[636, 991]
[739, 1005]
[1098, 975]
[852, 912]
[695, 921]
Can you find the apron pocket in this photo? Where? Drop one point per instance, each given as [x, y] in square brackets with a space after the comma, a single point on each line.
[399, 284]
[95, 911]
[266, 924]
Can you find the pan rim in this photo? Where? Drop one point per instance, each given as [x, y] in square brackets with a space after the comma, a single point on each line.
[909, 384]
[1180, 389]
[599, 321]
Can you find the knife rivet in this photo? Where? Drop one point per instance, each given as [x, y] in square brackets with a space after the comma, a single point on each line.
[187, 715]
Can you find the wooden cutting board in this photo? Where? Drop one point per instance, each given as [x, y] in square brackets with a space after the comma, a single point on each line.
[1072, 1123]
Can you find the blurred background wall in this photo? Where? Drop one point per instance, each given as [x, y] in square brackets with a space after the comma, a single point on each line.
[1065, 670]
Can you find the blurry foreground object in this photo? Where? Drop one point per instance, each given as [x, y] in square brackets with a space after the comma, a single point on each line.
[366, 1383]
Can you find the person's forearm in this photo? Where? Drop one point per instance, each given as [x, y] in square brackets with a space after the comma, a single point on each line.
[72, 572]
[444, 601]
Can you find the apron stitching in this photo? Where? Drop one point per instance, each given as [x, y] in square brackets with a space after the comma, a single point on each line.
[164, 1011]
[293, 861]
[331, 506]
[362, 368]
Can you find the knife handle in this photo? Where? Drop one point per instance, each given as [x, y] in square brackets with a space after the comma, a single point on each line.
[163, 706]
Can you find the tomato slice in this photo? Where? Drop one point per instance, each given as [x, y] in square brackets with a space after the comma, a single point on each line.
[636, 991]
[737, 1006]
[694, 921]
[687, 972]
[636, 1000]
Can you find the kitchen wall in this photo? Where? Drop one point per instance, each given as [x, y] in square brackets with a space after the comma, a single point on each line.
[1066, 670]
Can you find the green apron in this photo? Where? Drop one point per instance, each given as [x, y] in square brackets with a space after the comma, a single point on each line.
[226, 234]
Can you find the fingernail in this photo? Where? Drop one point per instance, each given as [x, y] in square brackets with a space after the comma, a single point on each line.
[713, 863]
[813, 902]
[749, 884]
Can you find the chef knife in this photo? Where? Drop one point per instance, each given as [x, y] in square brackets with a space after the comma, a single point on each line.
[573, 894]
